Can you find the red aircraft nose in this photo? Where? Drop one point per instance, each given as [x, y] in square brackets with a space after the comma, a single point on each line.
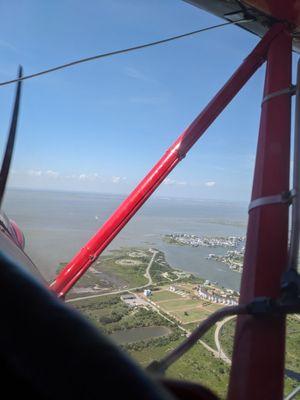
[19, 237]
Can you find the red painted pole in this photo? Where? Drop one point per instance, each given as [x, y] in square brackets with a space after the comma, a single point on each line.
[81, 262]
[258, 358]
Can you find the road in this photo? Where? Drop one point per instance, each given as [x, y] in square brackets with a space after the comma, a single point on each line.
[219, 326]
[153, 305]
[147, 275]
[221, 353]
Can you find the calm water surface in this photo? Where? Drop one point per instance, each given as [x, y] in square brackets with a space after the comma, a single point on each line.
[57, 224]
[137, 334]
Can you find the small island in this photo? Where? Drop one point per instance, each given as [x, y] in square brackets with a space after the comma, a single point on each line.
[233, 257]
[206, 241]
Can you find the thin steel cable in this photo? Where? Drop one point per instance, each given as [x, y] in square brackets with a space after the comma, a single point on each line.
[5, 167]
[293, 394]
[122, 51]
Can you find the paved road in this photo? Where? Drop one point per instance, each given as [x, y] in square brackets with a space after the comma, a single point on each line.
[147, 275]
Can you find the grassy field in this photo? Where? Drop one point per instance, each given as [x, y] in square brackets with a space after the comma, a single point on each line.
[186, 310]
[89, 279]
[292, 348]
[132, 275]
[198, 365]
[181, 303]
[164, 295]
[109, 274]
[126, 268]
[195, 314]
[110, 314]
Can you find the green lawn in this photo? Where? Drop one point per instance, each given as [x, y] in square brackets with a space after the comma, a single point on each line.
[185, 310]
[293, 344]
[164, 295]
[181, 303]
[195, 314]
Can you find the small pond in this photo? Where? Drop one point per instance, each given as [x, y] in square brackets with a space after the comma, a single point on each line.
[138, 334]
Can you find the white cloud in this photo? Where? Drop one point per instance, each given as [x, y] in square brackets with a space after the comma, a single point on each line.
[118, 179]
[169, 181]
[210, 183]
[38, 172]
[72, 176]
[34, 172]
[90, 177]
[82, 177]
[52, 174]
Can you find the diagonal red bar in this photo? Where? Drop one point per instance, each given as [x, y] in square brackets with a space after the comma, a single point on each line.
[86, 256]
[258, 358]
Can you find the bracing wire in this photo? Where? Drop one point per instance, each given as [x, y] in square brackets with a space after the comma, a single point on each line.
[293, 394]
[5, 167]
[162, 365]
[121, 51]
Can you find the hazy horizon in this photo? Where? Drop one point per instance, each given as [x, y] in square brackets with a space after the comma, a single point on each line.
[125, 194]
[56, 225]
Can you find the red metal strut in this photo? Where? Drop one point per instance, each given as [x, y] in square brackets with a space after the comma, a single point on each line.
[258, 359]
[87, 255]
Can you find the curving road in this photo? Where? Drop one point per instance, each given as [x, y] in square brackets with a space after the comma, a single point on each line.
[219, 326]
[147, 275]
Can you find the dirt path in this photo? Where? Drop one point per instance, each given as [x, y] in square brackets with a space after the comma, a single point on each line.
[221, 353]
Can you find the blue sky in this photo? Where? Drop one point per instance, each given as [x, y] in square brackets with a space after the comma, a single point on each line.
[101, 126]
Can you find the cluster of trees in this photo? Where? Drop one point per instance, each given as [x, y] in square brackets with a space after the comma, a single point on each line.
[114, 316]
[155, 342]
[122, 318]
[191, 279]
[97, 304]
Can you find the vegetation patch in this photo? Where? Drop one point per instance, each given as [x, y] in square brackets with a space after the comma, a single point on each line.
[292, 363]
[110, 314]
[194, 314]
[164, 295]
[198, 365]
